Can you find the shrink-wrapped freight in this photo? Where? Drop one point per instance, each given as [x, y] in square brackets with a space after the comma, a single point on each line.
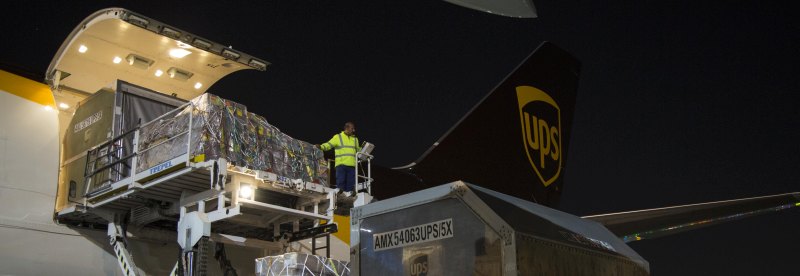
[222, 128]
[296, 264]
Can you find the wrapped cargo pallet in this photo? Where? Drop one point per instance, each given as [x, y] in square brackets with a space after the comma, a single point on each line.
[296, 264]
[225, 129]
[162, 139]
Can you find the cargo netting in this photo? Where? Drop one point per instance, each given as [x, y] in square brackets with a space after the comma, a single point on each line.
[296, 264]
[221, 128]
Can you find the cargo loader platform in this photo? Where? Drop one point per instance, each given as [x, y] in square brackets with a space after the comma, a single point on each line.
[204, 169]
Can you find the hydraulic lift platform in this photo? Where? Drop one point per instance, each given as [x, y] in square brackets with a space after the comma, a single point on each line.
[156, 183]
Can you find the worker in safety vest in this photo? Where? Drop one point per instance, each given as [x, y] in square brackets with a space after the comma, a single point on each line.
[346, 145]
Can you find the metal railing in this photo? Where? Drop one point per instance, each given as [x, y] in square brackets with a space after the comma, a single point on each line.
[125, 155]
[363, 178]
[109, 162]
[164, 138]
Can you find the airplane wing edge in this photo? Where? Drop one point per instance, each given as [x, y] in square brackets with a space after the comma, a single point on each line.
[658, 222]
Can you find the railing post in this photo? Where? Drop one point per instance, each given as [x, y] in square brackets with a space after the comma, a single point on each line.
[190, 107]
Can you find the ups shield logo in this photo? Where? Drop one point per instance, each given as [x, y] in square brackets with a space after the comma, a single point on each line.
[540, 119]
[419, 265]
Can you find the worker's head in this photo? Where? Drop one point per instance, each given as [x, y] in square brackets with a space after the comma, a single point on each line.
[349, 128]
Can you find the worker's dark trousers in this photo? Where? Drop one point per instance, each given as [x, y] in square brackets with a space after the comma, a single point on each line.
[345, 178]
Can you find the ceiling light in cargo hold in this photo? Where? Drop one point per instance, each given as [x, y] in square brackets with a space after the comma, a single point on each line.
[179, 53]
[159, 73]
[82, 49]
[179, 74]
[117, 60]
[198, 85]
[63, 106]
[139, 61]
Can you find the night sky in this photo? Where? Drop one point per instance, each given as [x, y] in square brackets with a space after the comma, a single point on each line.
[678, 103]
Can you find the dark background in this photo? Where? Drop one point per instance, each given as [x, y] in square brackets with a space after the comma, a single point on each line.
[679, 101]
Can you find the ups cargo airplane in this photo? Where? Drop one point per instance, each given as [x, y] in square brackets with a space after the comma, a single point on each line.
[53, 224]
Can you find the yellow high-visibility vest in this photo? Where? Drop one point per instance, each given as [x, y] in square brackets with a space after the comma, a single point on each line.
[346, 148]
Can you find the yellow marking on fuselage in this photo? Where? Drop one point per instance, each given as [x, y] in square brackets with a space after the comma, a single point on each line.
[26, 88]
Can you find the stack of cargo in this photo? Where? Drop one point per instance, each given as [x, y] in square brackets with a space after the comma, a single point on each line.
[224, 129]
[295, 264]
[162, 139]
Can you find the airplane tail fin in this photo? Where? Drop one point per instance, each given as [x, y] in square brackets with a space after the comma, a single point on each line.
[515, 140]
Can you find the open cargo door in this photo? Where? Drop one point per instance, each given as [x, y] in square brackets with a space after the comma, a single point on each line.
[143, 67]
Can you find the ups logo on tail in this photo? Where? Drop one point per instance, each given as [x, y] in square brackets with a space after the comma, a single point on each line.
[540, 118]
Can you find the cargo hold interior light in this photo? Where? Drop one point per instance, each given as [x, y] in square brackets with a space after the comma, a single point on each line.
[179, 53]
